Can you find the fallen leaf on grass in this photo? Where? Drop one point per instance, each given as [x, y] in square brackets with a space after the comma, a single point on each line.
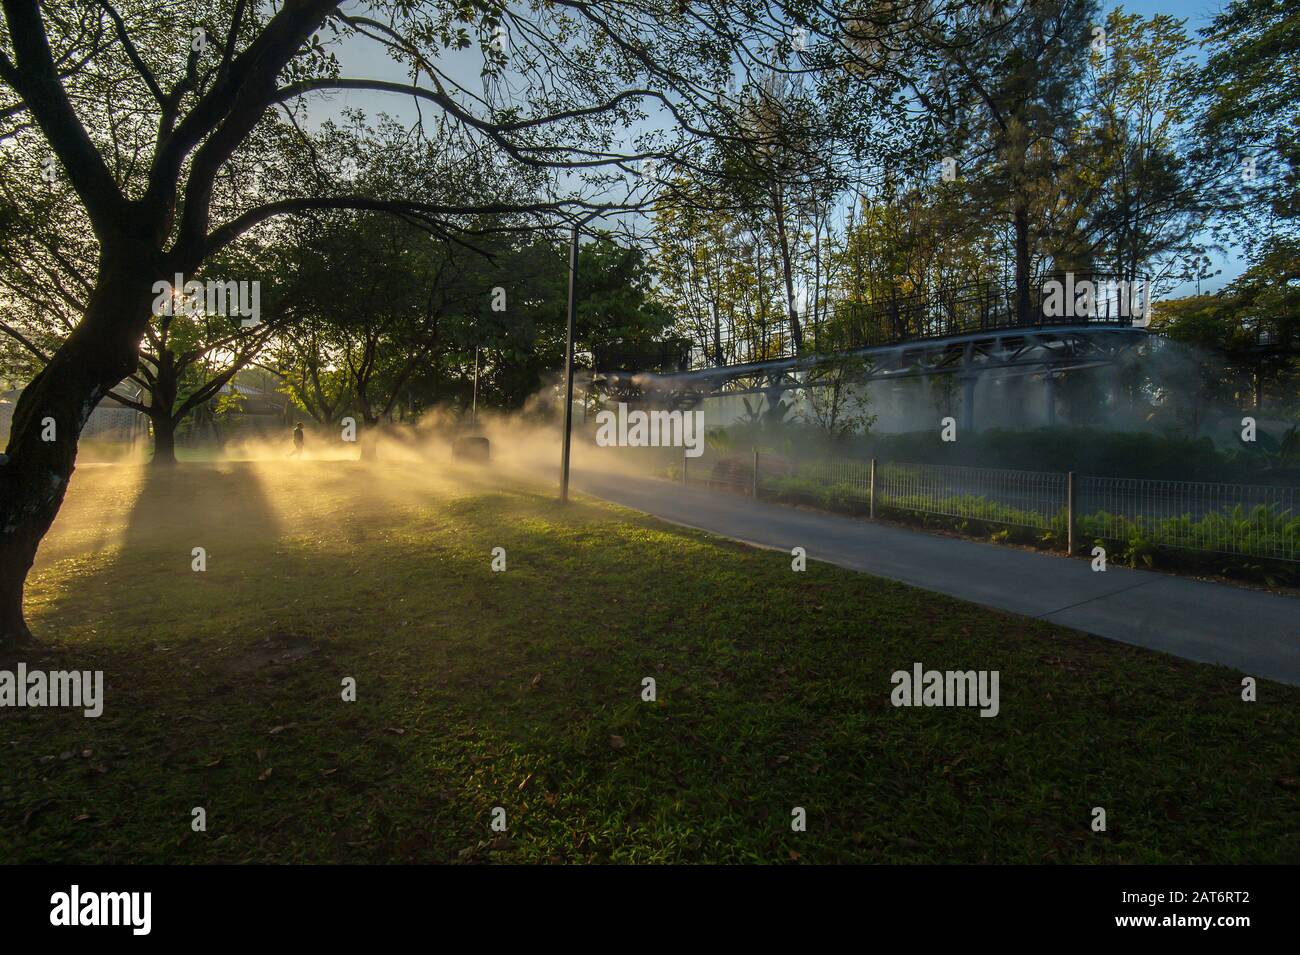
[616, 742]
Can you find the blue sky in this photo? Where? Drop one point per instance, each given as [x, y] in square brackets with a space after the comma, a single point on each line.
[364, 59]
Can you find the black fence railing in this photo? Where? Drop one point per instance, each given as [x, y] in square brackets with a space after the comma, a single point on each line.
[1241, 520]
[1056, 299]
[673, 355]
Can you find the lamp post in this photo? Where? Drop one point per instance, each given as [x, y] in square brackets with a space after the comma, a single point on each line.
[568, 366]
[474, 407]
[568, 353]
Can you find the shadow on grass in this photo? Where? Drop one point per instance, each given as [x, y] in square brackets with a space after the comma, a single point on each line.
[523, 690]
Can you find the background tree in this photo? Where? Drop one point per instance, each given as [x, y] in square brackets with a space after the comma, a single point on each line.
[1140, 193]
[1252, 79]
[376, 293]
[192, 351]
[1017, 88]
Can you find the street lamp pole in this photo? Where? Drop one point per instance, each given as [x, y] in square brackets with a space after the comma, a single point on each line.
[568, 366]
[474, 411]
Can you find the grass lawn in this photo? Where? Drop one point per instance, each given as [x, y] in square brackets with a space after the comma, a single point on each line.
[522, 690]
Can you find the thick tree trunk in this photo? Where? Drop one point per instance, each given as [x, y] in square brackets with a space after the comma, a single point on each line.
[164, 441]
[1022, 264]
[48, 420]
[15, 560]
[161, 403]
[787, 271]
[717, 334]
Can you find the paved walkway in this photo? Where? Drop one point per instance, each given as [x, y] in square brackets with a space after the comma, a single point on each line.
[1252, 631]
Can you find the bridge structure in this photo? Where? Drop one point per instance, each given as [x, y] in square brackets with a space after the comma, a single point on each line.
[967, 332]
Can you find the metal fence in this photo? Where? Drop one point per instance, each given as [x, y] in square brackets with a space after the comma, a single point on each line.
[852, 478]
[1035, 499]
[1243, 520]
[728, 472]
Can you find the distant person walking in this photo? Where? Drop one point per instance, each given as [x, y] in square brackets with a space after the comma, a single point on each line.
[298, 438]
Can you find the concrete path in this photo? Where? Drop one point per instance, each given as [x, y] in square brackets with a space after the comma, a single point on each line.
[1252, 631]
